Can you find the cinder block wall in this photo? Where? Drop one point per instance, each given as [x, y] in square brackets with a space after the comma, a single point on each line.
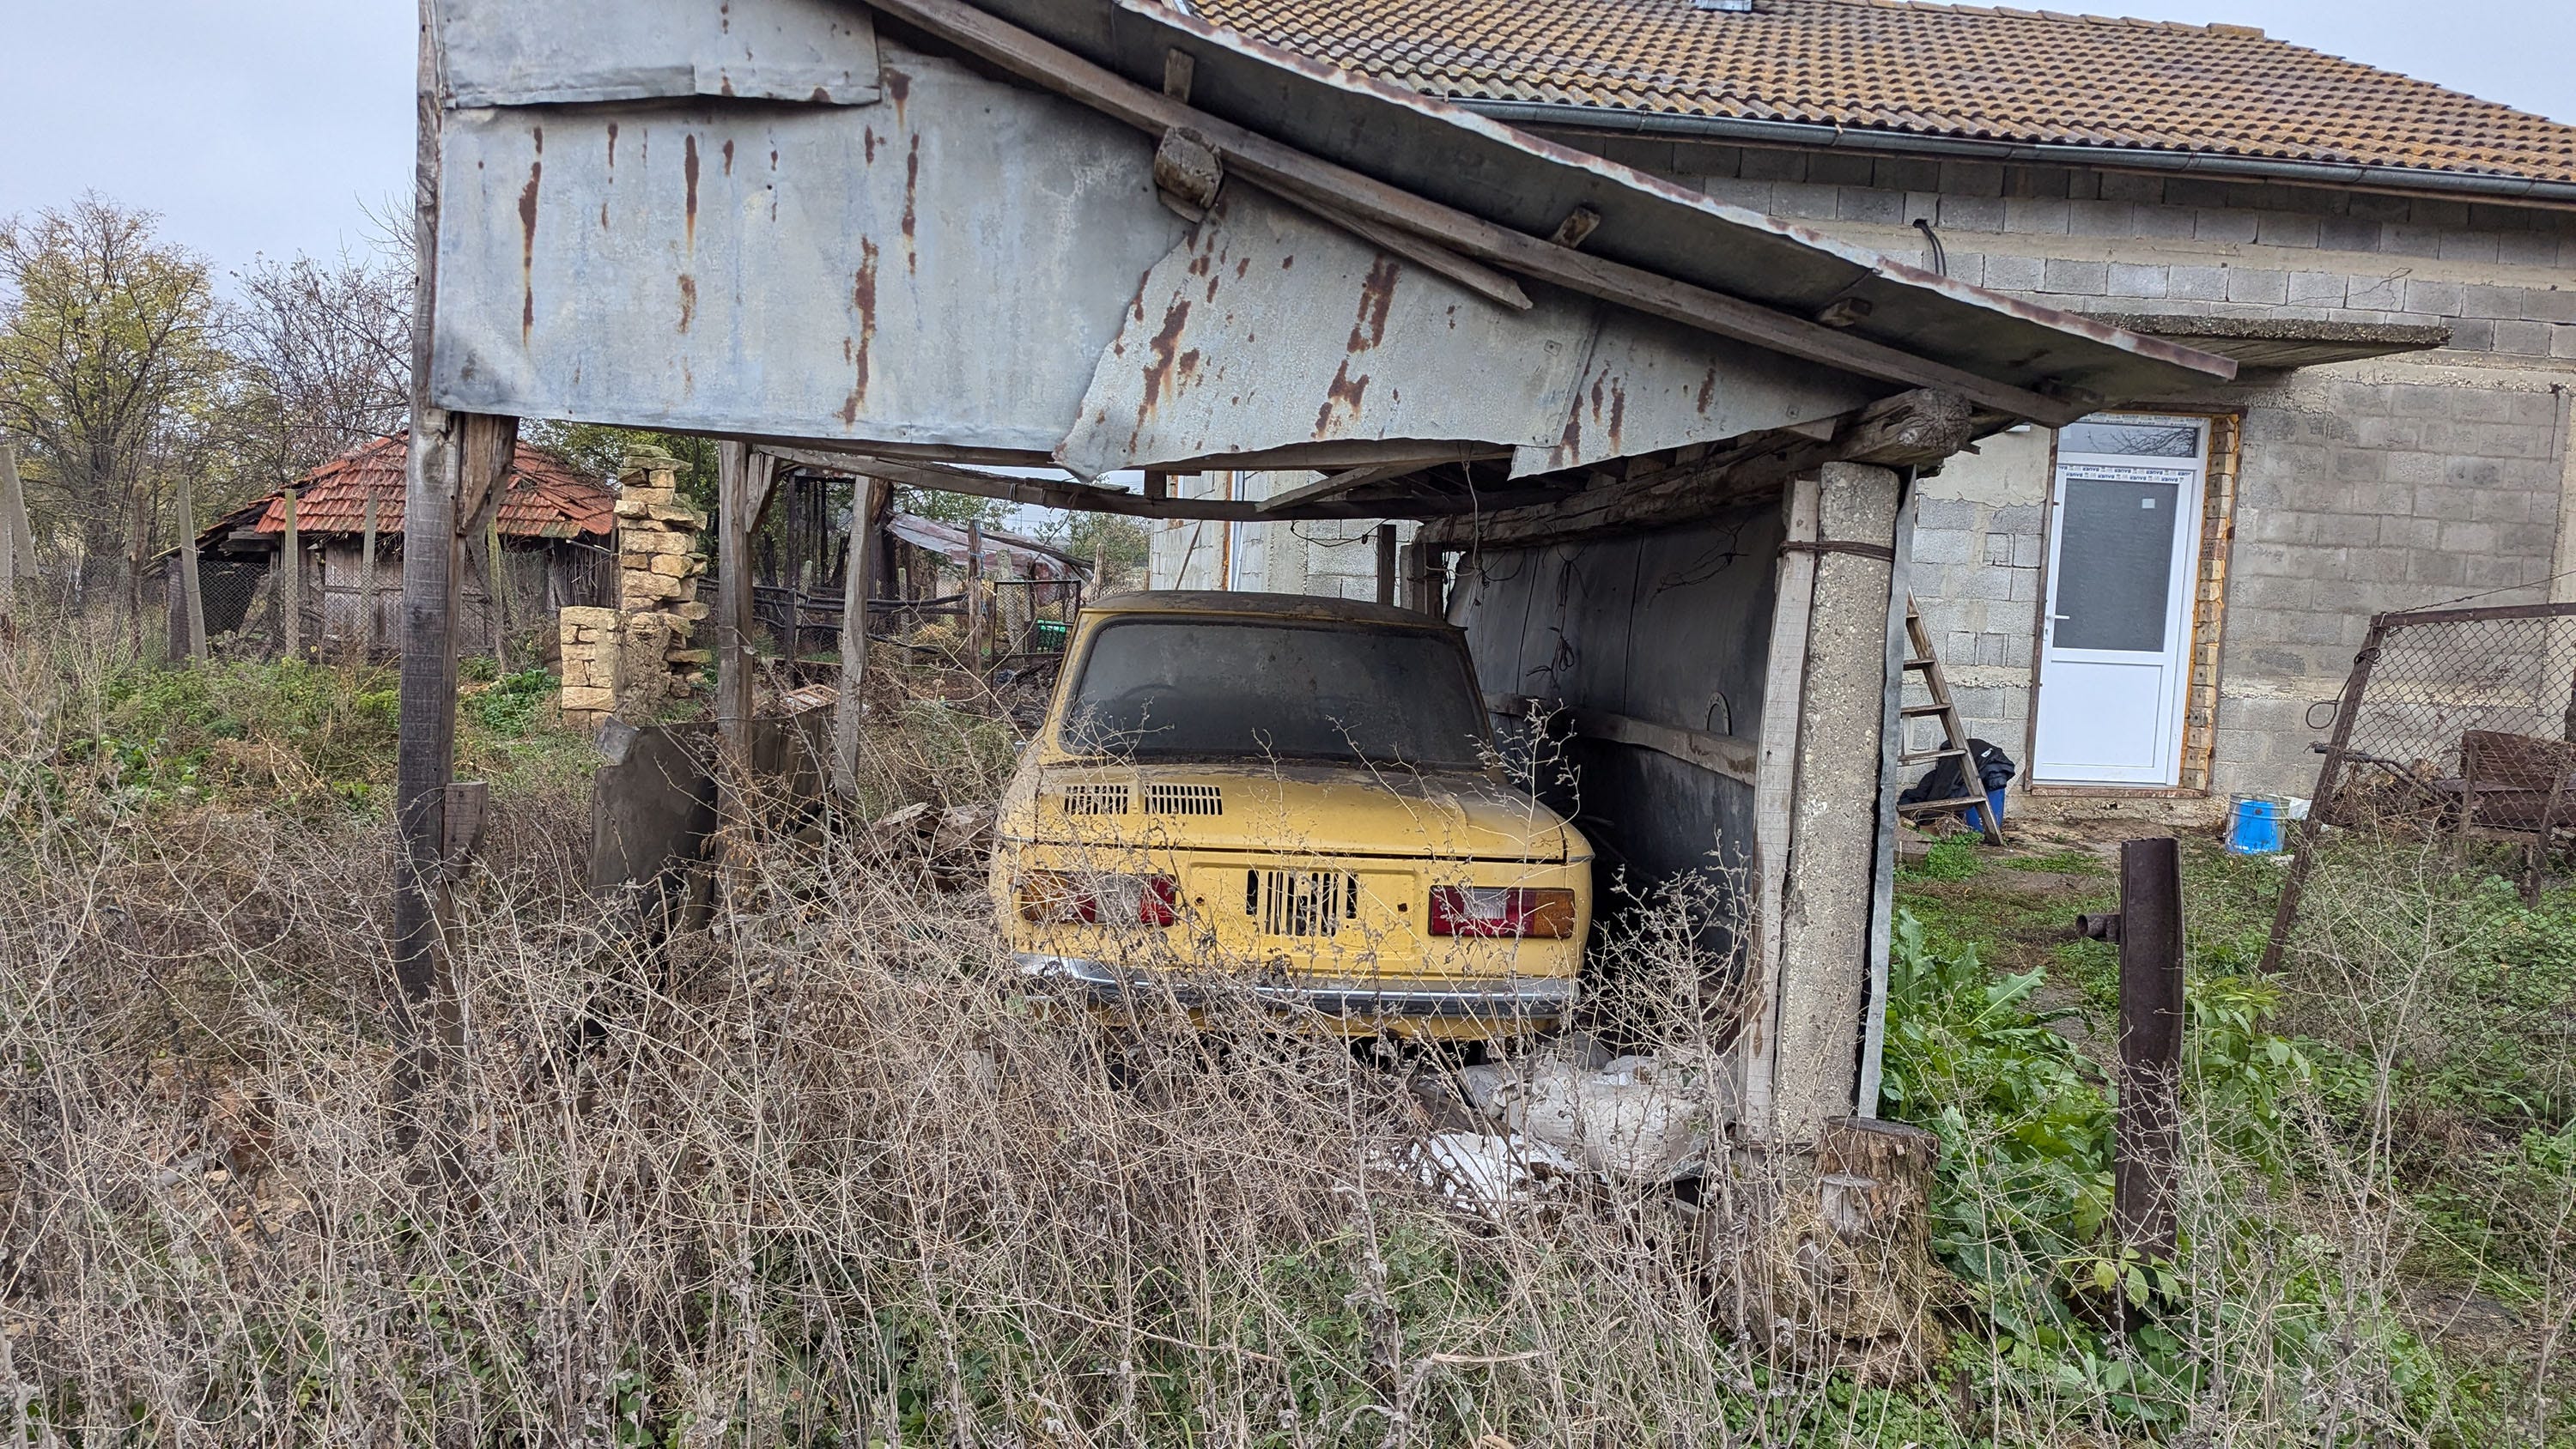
[2369, 485]
[1334, 559]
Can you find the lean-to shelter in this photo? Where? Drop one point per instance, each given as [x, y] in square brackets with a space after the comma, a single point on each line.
[1663, 445]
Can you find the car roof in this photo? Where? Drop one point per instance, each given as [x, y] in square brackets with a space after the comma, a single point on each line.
[1301, 607]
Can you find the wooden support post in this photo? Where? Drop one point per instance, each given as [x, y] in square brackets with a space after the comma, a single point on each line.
[976, 620]
[9, 527]
[2148, 1146]
[492, 589]
[743, 479]
[1420, 567]
[495, 591]
[1386, 563]
[857, 585]
[192, 593]
[791, 638]
[290, 562]
[367, 548]
[451, 456]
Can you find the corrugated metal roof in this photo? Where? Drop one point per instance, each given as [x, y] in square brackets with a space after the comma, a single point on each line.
[545, 499]
[1966, 71]
[1034, 559]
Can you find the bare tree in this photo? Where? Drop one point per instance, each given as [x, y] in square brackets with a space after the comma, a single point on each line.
[323, 352]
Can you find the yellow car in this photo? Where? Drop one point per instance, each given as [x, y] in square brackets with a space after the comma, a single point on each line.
[1290, 801]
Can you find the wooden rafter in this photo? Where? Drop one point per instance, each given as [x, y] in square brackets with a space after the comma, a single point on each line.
[1092, 498]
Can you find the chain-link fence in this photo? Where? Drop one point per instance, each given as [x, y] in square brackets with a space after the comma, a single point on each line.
[2455, 724]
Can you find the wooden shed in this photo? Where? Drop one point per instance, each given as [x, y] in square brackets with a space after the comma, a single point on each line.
[556, 528]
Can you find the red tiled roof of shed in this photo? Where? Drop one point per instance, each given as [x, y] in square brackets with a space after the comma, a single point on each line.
[544, 498]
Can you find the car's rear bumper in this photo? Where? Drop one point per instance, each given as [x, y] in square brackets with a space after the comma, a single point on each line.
[1520, 999]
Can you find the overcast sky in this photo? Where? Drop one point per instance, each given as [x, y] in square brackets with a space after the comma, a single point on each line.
[274, 125]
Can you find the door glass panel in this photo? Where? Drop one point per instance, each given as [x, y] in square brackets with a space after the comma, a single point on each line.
[2115, 564]
[2133, 440]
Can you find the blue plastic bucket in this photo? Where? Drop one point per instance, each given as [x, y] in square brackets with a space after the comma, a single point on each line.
[2254, 827]
[1976, 815]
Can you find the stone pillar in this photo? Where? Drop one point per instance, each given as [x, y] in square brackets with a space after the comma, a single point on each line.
[1833, 823]
[634, 658]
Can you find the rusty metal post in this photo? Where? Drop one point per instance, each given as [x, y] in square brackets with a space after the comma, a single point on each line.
[2148, 1146]
[1386, 563]
[2329, 775]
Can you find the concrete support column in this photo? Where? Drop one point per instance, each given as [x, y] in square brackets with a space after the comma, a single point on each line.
[1833, 823]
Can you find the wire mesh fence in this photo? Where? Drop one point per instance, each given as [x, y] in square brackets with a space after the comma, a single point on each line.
[2456, 724]
[2453, 717]
[1033, 616]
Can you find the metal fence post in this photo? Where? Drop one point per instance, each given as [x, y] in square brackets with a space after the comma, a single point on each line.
[2329, 776]
[2151, 1025]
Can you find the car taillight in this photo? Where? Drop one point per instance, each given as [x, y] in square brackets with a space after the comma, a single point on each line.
[1062, 898]
[1502, 911]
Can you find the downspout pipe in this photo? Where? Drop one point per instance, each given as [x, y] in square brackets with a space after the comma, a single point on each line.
[1731, 129]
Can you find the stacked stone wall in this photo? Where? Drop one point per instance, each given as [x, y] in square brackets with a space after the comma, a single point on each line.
[639, 656]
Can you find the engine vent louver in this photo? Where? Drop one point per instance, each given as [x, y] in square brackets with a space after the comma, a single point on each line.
[1184, 800]
[1301, 902]
[1089, 799]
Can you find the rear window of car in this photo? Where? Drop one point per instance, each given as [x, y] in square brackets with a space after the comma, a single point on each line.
[1210, 688]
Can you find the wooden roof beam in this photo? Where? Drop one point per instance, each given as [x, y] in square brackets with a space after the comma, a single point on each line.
[1090, 498]
[1909, 429]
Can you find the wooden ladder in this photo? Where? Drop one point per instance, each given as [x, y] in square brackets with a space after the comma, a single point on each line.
[1954, 735]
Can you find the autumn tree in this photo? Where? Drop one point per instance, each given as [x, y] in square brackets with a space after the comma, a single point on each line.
[109, 358]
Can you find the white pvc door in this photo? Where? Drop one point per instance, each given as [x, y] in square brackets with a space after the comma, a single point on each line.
[2115, 646]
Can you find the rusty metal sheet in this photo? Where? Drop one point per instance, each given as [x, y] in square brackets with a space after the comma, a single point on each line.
[1447, 153]
[528, 52]
[1265, 328]
[941, 269]
[958, 267]
[1649, 384]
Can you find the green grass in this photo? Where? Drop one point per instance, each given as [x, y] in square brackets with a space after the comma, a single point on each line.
[2431, 1016]
[1951, 858]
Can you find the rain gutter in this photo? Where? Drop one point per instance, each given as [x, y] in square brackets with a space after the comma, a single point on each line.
[2523, 189]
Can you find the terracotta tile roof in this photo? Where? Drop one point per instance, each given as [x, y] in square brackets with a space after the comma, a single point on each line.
[545, 498]
[1995, 74]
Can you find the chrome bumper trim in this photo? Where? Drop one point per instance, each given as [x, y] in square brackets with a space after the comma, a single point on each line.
[1531, 998]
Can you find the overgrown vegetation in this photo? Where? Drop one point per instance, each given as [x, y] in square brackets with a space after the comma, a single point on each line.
[2380, 1138]
[826, 1174]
